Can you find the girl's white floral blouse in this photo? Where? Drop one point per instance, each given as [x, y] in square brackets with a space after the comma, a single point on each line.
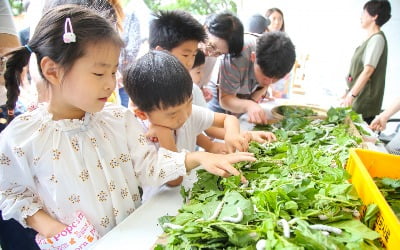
[93, 165]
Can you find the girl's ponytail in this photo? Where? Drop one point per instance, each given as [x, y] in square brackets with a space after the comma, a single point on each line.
[16, 61]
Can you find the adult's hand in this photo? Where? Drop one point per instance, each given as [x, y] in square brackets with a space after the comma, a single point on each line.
[255, 113]
[379, 123]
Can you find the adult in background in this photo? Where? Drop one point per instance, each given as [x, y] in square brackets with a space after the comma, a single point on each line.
[275, 16]
[277, 23]
[248, 65]
[366, 77]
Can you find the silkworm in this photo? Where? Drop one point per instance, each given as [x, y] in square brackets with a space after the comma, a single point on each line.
[236, 219]
[327, 228]
[294, 220]
[285, 226]
[261, 244]
[245, 185]
[326, 233]
[323, 217]
[217, 211]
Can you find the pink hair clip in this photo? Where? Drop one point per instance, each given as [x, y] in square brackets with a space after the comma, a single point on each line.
[69, 36]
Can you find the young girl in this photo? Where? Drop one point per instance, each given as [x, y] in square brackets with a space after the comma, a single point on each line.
[71, 168]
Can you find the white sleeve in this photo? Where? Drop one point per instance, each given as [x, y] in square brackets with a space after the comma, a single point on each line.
[18, 196]
[152, 167]
[374, 50]
[6, 19]
[203, 118]
[198, 98]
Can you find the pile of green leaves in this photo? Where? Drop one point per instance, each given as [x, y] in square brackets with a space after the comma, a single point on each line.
[296, 111]
[299, 178]
[390, 189]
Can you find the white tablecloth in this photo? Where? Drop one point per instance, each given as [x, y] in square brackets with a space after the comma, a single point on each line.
[141, 229]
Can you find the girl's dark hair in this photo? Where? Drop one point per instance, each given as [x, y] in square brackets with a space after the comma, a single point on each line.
[199, 59]
[228, 27]
[109, 9]
[381, 8]
[157, 81]
[89, 27]
[272, 10]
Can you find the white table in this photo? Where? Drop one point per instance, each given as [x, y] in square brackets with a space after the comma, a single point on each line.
[141, 229]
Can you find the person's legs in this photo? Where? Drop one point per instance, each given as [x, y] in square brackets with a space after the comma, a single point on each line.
[13, 236]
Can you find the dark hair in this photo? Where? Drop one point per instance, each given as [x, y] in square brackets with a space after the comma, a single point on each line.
[102, 7]
[199, 59]
[257, 24]
[157, 81]
[89, 28]
[272, 10]
[381, 8]
[228, 27]
[170, 29]
[275, 54]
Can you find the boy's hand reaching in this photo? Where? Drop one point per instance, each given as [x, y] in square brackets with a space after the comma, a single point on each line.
[261, 136]
[239, 142]
[160, 134]
[207, 93]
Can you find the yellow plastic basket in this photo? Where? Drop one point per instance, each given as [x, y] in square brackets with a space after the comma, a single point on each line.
[363, 165]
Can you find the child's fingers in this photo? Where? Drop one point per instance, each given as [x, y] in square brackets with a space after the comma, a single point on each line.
[271, 137]
[221, 172]
[240, 156]
[229, 169]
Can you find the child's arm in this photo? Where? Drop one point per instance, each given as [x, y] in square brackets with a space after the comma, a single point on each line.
[163, 135]
[44, 224]
[233, 138]
[210, 146]
[166, 139]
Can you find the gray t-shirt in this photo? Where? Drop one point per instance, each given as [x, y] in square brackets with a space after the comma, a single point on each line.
[236, 74]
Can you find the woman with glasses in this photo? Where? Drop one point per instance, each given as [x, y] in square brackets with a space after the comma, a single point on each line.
[248, 64]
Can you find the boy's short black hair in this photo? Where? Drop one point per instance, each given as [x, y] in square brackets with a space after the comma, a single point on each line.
[170, 29]
[199, 59]
[158, 81]
[275, 54]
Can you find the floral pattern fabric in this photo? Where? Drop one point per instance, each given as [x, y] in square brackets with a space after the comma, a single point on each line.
[93, 165]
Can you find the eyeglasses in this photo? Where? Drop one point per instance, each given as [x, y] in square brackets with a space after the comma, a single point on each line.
[213, 50]
[3, 61]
